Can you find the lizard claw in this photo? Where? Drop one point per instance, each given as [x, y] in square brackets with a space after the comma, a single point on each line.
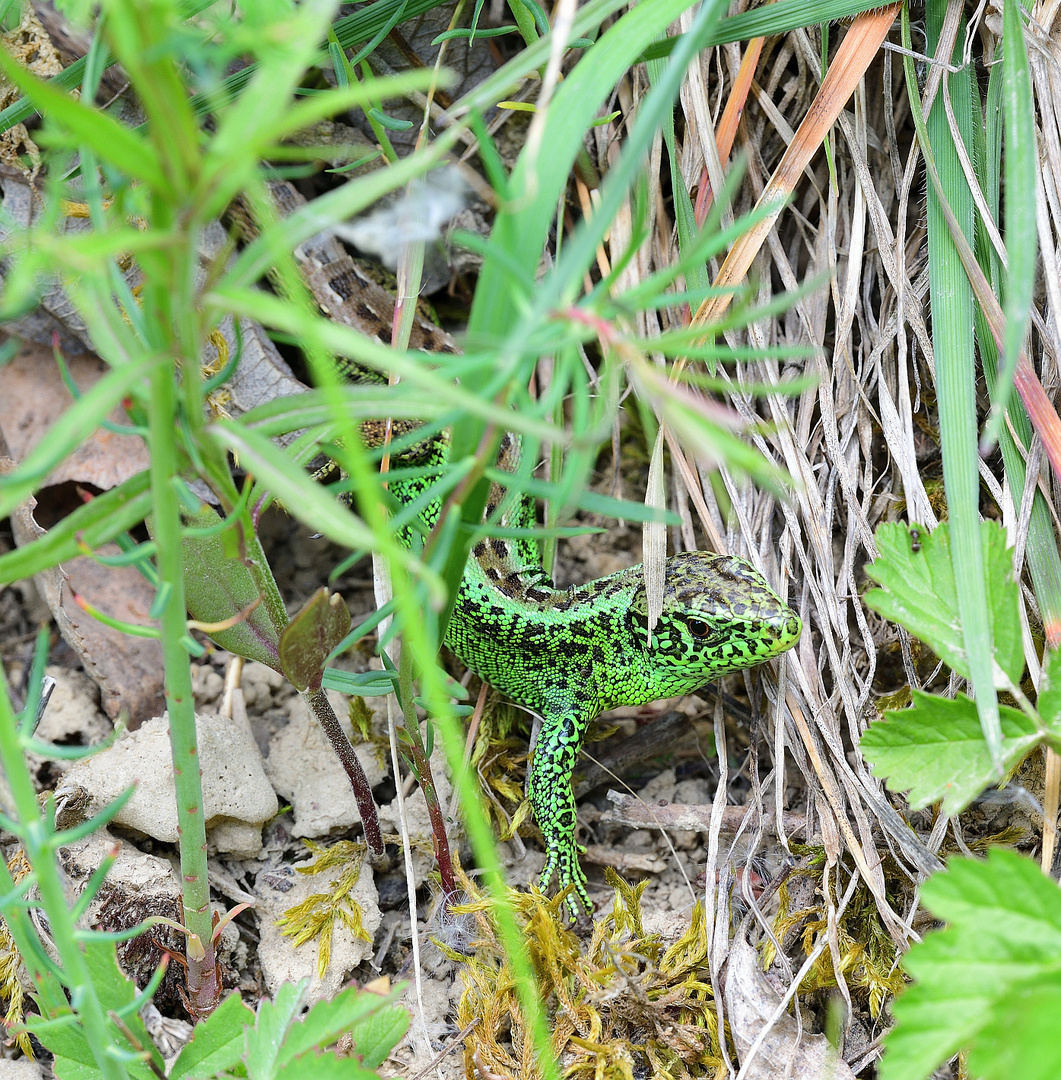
[568, 872]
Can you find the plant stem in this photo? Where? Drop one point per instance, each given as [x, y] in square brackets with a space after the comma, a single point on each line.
[422, 767]
[322, 709]
[203, 987]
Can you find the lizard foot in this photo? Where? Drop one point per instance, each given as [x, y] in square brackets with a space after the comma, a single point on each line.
[564, 864]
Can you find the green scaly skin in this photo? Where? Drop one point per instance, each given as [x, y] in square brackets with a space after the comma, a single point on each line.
[571, 654]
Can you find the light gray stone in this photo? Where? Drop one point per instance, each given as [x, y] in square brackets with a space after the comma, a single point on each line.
[237, 796]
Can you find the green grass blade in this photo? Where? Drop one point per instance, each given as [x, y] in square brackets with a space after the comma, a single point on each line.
[342, 341]
[1041, 552]
[768, 20]
[78, 422]
[952, 332]
[277, 241]
[696, 276]
[89, 526]
[579, 252]
[1021, 166]
[115, 144]
[520, 230]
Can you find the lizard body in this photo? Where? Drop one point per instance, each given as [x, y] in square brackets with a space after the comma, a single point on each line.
[571, 654]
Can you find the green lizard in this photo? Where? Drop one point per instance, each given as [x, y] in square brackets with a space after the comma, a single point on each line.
[570, 654]
[567, 654]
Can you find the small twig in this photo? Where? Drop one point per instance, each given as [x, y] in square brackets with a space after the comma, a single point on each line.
[633, 811]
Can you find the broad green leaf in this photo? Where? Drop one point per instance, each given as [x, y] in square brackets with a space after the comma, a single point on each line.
[936, 750]
[1021, 1037]
[310, 637]
[217, 1042]
[918, 592]
[219, 586]
[351, 1010]
[265, 1040]
[1003, 945]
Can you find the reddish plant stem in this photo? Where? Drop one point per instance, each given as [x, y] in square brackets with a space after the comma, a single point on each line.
[344, 751]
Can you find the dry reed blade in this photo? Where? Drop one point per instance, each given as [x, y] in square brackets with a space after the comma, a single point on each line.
[856, 52]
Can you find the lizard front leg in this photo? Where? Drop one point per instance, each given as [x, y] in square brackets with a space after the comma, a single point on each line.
[559, 744]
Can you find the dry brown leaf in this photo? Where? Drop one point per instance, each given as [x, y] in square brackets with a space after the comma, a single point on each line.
[784, 1051]
[33, 397]
[127, 670]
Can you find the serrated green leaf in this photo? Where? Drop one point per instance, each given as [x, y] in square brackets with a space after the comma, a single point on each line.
[266, 1039]
[918, 593]
[327, 1067]
[936, 749]
[376, 1035]
[1004, 939]
[74, 1059]
[115, 989]
[68, 1068]
[918, 590]
[217, 1042]
[351, 1010]
[1021, 1037]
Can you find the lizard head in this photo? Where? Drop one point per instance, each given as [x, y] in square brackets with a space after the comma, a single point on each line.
[719, 615]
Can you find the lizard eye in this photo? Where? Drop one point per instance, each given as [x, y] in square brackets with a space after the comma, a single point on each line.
[698, 628]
